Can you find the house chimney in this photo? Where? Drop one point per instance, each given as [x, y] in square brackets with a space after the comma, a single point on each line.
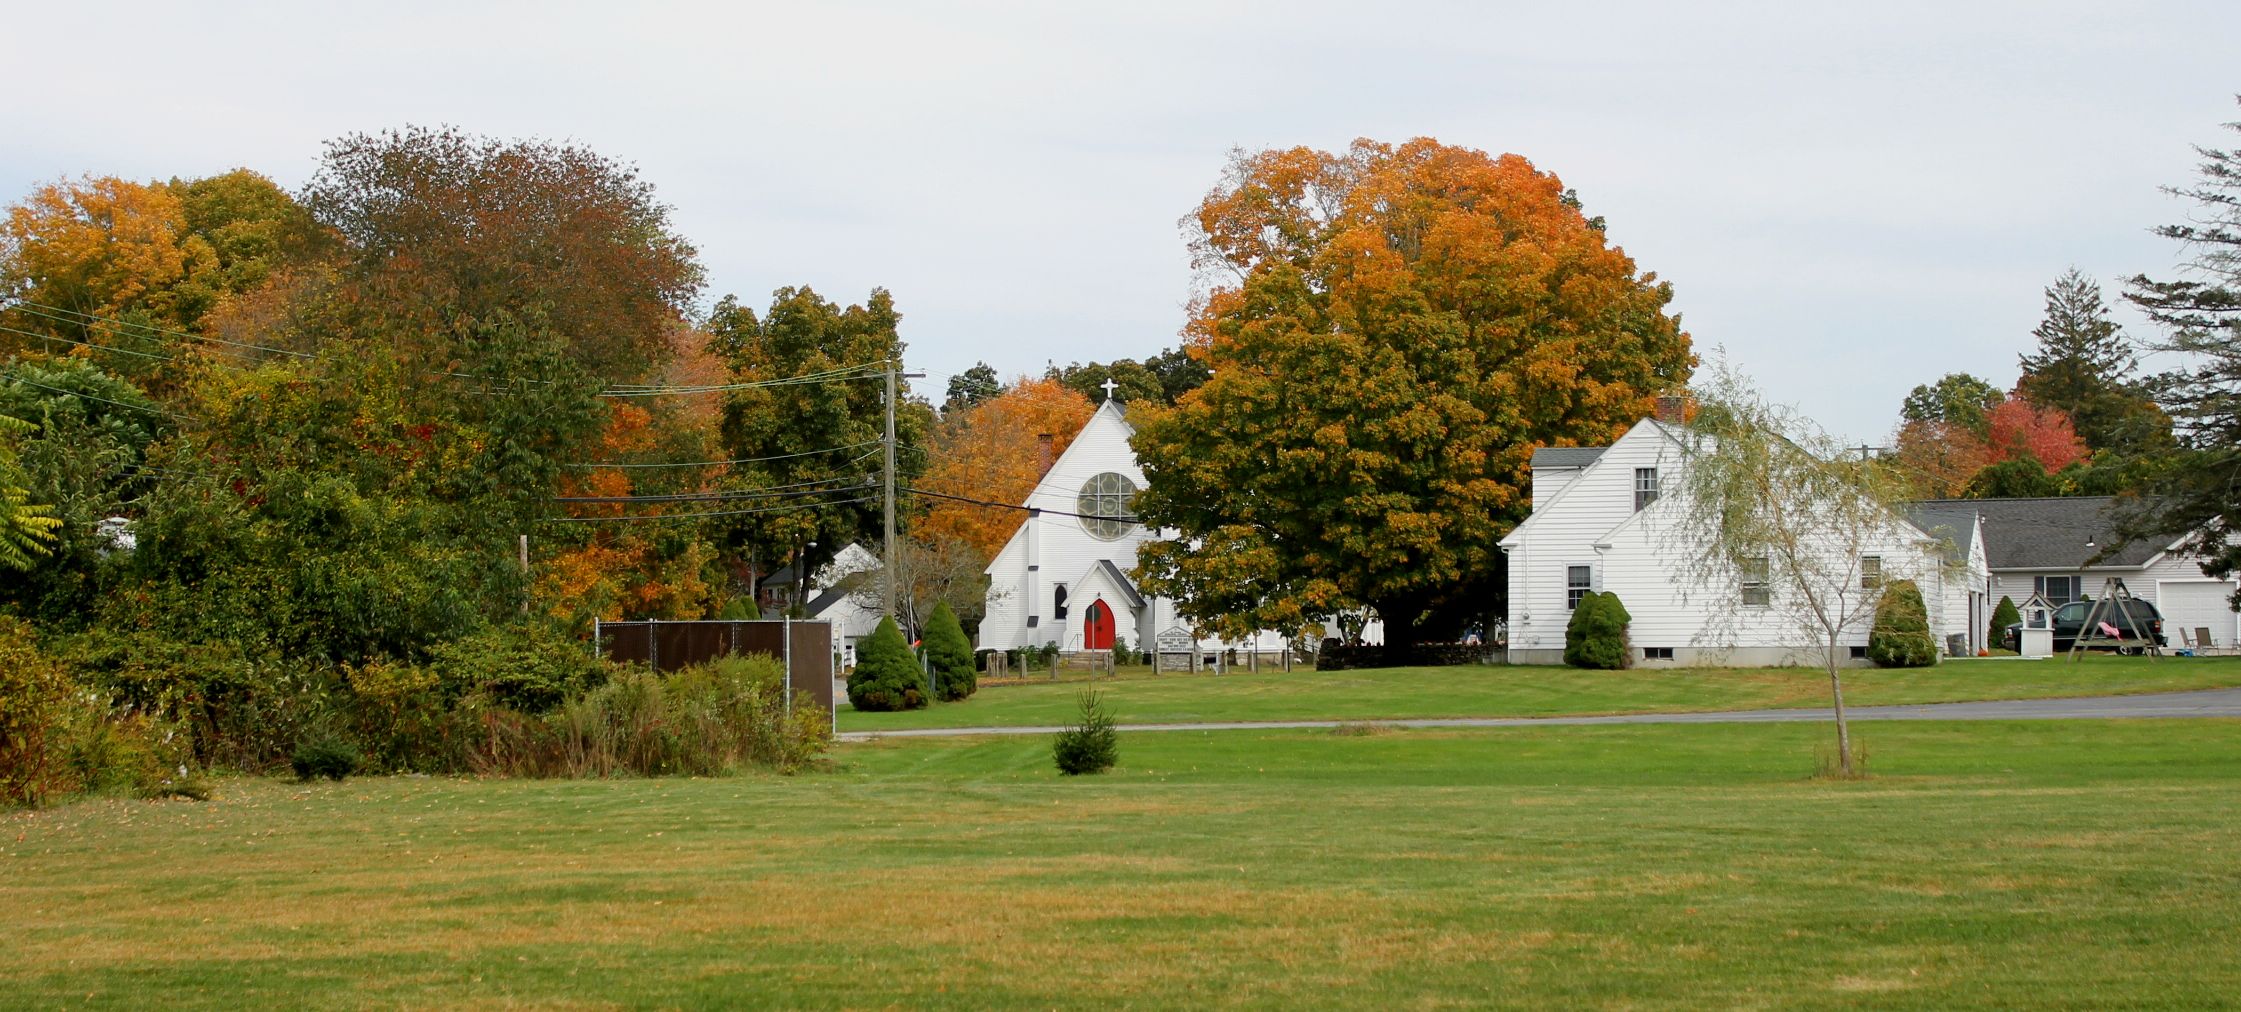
[1042, 449]
[1673, 409]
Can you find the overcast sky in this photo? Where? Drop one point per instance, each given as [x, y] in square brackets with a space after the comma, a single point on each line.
[1850, 202]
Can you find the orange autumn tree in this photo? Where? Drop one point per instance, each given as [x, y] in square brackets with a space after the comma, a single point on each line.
[1392, 330]
[627, 569]
[2016, 427]
[992, 451]
[1940, 458]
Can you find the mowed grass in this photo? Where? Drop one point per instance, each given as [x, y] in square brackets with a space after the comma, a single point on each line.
[2025, 864]
[1527, 691]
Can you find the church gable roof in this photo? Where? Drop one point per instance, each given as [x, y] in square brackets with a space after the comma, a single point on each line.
[1101, 446]
[1112, 574]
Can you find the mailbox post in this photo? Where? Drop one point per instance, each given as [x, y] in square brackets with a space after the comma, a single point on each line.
[2037, 639]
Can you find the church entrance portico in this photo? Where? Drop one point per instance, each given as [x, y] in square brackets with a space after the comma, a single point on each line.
[1097, 626]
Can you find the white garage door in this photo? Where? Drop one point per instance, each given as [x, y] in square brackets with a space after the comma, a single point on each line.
[2189, 603]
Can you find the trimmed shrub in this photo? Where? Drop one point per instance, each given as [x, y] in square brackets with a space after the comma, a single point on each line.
[740, 609]
[1901, 637]
[530, 667]
[324, 755]
[2004, 615]
[886, 676]
[1596, 636]
[1091, 745]
[951, 654]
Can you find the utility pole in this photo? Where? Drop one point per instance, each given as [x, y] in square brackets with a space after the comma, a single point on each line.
[887, 550]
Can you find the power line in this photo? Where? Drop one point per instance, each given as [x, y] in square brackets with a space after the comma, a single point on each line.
[776, 492]
[1024, 509]
[695, 516]
[744, 460]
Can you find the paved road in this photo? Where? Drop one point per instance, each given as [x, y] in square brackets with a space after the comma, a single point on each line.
[2203, 703]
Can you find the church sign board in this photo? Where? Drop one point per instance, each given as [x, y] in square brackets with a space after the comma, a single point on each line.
[1175, 642]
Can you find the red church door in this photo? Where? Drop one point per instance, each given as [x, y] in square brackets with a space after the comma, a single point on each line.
[1097, 627]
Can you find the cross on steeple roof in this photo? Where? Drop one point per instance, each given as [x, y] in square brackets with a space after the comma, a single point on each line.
[1109, 386]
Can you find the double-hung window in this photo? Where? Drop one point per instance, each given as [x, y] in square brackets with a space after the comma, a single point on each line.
[2058, 590]
[1576, 586]
[1645, 486]
[1871, 572]
[1757, 593]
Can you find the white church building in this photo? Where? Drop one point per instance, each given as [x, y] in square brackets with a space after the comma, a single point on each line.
[1063, 577]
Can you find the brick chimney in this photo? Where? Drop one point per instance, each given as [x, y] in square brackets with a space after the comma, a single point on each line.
[1042, 449]
[1673, 409]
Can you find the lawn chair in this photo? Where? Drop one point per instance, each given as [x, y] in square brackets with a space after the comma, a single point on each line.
[2186, 644]
[2203, 644]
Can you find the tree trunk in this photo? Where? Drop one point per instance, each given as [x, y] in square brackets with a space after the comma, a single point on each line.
[1836, 693]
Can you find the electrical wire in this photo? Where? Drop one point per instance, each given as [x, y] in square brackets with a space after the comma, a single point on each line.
[695, 516]
[1024, 509]
[744, 460]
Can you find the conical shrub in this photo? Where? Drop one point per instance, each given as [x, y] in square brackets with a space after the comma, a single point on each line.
[950, 653]
[886, 676]
[1901, 637]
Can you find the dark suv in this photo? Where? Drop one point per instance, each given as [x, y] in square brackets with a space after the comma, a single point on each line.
[2146, 623]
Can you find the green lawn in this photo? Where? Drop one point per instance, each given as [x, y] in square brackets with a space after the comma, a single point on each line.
[2044, 864]
[1521, 691]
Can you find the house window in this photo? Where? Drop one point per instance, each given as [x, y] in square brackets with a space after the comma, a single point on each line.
[1645, 486]
[1756, 593]
[1859, 653]
[2058, 590]
[1871, 572]
[1575, 586]
[1657, 653]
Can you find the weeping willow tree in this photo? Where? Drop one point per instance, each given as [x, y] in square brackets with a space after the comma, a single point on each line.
[1776, 524]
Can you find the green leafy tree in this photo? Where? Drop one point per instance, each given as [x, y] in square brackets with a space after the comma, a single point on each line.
[951, 655]
[1392, 331]
[886, 677]
[81, 456]
[440, 225]
[2200, 316]
[1132, 382]
[1958, 399]
[1900, 637]
[1596, 635]
[971, 387]
[815, 444]
[26, 528]
[2084, 367]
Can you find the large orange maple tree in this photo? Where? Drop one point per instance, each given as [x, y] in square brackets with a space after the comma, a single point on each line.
[1392, 330]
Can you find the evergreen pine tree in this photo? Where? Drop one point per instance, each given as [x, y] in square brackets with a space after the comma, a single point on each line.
[951, 654]
[2201, 319]
[2084, 367]
[2004, 615]
[886, 676]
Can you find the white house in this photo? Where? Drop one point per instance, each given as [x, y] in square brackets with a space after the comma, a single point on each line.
[1601, 522]
[836, 600]
[1063, 577]
[2060, 548]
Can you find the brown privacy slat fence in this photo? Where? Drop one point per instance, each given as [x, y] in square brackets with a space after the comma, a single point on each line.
[804, 648]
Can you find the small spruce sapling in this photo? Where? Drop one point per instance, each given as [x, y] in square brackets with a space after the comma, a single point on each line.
[1091, 745]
